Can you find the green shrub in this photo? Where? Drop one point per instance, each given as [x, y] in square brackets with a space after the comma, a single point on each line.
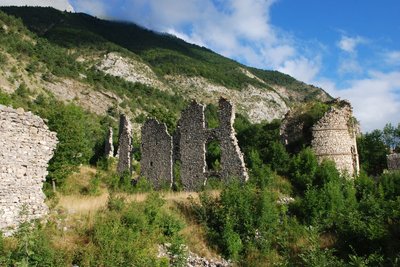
[303, 168]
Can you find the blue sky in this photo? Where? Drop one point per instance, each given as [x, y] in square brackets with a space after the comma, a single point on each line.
[350, 48]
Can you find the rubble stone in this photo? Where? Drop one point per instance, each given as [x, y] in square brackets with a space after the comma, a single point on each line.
[334, 138]
[393, 161]
[156, 162]
[26, 146]
[124, 145]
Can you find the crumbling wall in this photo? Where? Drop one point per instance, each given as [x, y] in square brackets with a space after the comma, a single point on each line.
[334, 137]
[124, 145]
[188, 146]
[193, 136]
[156, 151]
[393, 162]
[26, 146]
[232, 162]
[109, 146]
[192, 149]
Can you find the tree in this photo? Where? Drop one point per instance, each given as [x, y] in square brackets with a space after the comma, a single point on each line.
[372, 151]
[391, 136]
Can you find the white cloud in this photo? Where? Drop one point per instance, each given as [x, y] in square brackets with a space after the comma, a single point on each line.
[302, 68]
[375, 99]
[349, 44]
[349, 65]
[392, 58]
[57, 4]
[91, 7]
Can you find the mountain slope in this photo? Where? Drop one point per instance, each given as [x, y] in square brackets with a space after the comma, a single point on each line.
[105, 65]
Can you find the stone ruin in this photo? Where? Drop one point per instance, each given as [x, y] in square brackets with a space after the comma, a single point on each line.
[109, 145]
[26, 147]
[156, 162]
[189, 148]
[124, 145]
[331, 137]
[334, 138]
[393, 162]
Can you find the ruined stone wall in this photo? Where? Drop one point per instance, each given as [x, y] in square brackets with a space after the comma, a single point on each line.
[334, 138]
[156, 150]
[26, 146]
[193, 136]
[109, 146]
[393, 162]
[232, 161]
[192, 147]
[124, 145]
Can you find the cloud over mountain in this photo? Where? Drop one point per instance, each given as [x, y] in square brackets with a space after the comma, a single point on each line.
[62, 5]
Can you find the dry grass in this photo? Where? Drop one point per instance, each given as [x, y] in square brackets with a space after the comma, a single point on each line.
[196, 240]
[78, 180]
[80, 211]
[83, 204]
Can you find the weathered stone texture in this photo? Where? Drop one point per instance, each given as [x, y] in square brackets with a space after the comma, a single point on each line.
[124, 145]
[393, 161]
[232, 161]
[193, 136]
[188, 146]
[192, 147]
[156, 161]
[334, 138]
[109, 146]
[26, 146]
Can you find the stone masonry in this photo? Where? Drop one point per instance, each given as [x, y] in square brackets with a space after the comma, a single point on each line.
[334, 137]
[109, 146]
[232, 161]
[124, 145]
[393, 162]
[156, 162]
[192, 147]
[26, 146]
[189, 147]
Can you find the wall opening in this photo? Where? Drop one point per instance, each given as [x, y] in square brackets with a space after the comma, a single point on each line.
[211, 116]
[213, 156]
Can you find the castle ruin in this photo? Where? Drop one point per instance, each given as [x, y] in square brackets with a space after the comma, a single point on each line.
[334, 138]
[393, 162]
[156, 162]
[26, 147]
[124, 145]
[189, 148]
[109, 146]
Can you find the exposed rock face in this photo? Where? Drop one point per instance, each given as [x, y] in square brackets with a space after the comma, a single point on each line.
[259, 103]
[393, 161]
[109, 146]
[129, 69]
[124, 145]
[156, 161]
[334, 137]
[26, 146]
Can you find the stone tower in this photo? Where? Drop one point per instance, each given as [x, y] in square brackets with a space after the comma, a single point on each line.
[334, 137]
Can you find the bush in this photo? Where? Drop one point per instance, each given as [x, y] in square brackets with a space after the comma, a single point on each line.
[303, 168]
